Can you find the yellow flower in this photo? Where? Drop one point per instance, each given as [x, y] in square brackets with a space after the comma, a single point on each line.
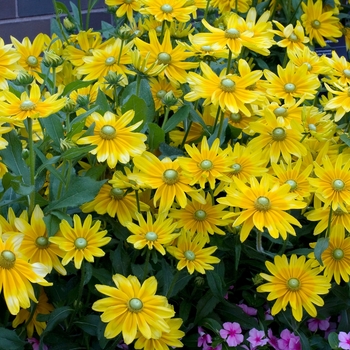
[168, 10]
[142, 66]
[319, 24]
[8, 64]
[115, 140]
[340, 68]
[153, 234]
[226, 6]
[332, 185]
[265, 205]
[81, 241]
[206, 164]
[16, 274]
[171, 338]
[25, 316]
[125, 7]
[191, 253]
[35, 245]
[164, 53]
[296, 283]
[230, 91]
[340, 103]
[132, 307]
[4, 130]
[31, 106]
[291, 82]
[165, 176]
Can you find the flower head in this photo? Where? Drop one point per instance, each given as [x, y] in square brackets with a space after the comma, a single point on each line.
[344, 340]
[232, 333]
[257, 338]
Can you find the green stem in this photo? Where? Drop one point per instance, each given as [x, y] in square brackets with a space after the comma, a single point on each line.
[145, 270]
[228, 67]
[53, 80]
[59, 21]
[31, 166]
[88, 15]
[138, 84]
[166, 116]
[216, 118]
[221, 123]
[120, 52]
[173, 282]
[329, 226]
[186, 134]
[137, 201]
[162, 33]
[80, 14]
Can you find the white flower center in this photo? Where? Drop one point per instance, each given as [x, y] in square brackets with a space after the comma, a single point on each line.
[108, 132]
[27, 105]
[80, 243]
[135, 305]
[151, 236]
[164, 58]
[232, 33]
[189, 255]
[279, 134]
[293, 284]
[166, 8]
[289, 87]
[170, 176]
[7, 259]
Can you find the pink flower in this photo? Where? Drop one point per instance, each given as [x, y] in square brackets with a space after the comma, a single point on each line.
[344, 340]
[289, 341]
[232, 333]
[315, 324]
[273, 341]
[208, 347]
[203, 338]
[268, 316]
[256, 338]
[248, 310]
[36, 344]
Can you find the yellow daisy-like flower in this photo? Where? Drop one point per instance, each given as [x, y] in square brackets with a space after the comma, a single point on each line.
[4, 130]
[25, 316]
[319, 24]
[35, 245]
[206, 164]
[226, 6]
[16, 274]
[296, 283]
[203, 219]
[31, 106]
[8, 64]
[165, 175]
[168, 10]
[335, 258]
[265, 205]
[153, 234]
[276, 139]
[340, 103]
[340, 69]
[230, 91]
[115, 140]
[190, 252]
[164, 53]
[340, 220]
[171, 338]
[291, 82]
[332, 185]
[80, 242]
[132, 307]
[127, 7]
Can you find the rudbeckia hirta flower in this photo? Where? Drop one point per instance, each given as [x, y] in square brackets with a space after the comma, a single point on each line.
[132, 307]
[125, 7]
[16, 274]
[340, 103]
[190, 252]
[8, 63]
[265, 205]
[82, 241]
[115, 140]
[296, 283]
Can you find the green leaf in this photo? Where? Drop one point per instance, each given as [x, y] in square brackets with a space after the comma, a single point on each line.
[181, 283]
[75, 85]
[345, 138]
[205, 305]
[169, 151]
[333, 340]
[89, 324]
[57, 316]
[156, 136]
[215, 284]
[304, 341]
[16, 182]
[81, 118]
[52, 223]
[87, 272]
[165, 276]
[54, 128]
[139, 106]
[321, 245]
[185, 310]
[120, 260]
[62, 8]
[77, 152]
[180, 115]
[81, 190]
[211, 324]
[10, 340]
[102, 103]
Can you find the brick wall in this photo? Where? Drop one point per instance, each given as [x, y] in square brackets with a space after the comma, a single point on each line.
[21, 18]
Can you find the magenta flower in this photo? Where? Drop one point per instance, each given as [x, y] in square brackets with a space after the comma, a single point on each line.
[344, 340]
[289, 341]
[203, 338]
[256, 338]
[232, 333]
[273, 341]
[248, 310]
[36, 344]
[208, 347]
[315, 324]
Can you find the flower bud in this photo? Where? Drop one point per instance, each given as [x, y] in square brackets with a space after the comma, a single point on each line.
[69, 107]
[51, 59]
[24, 78]
[69, 25]
[169, 99]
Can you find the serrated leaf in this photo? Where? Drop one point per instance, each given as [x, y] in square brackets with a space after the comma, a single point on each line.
[10, 340]
[321, 245]
[156, 135]
[75, 85]
[181, 114]
[345, 138]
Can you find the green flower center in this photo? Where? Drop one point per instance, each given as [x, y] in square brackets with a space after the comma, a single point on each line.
[170, 176]
[279, 134]
[338, 185]
[280, 112]
[309, 66]
[80, 243]
[206, 48]
[293, 284]
[151, 236]
[110, 61]
[116, 193]
[166, 8]
[160, 94]
[232, 33]
[135, 305]
[262, 203]
[227, 85]
[164, 58]
[206, 164]
[293, 184]
[316, 24]
[347, 72]
[289, 87]
[236, 168]
[338, 254]
[235, 117]
[27, 105]
[312, 127]
[32, 61]
[293, 38]
[108, 132]
[189, 255]
[7, 259]
[200, 215]
[42, 242]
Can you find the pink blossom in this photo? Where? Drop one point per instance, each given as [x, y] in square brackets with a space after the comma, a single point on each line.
[289, 341]
[315, 324]
[232, 331]
[273, 341]
[268, 316]
[36, 344]
[256, 338]
[344, 340]
[203, 338]
[248, 310]
[208, 347]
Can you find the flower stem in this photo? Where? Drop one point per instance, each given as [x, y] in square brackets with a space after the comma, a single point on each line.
[166, 116]
[229, 59]
[329, 226]
[173, 282]
[145, 270]
[186, 134]
[137, 201]
[31, 166]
